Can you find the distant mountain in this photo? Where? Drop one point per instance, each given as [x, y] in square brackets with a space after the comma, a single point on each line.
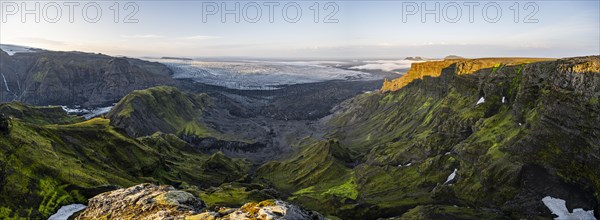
[13, 49]
[417, 58]
[453, 57]
[176, 58]
[75, 78]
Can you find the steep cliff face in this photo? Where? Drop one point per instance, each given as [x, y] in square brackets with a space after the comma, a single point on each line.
[511, 135]
[75, 78]
[456, 66]
[487, 145]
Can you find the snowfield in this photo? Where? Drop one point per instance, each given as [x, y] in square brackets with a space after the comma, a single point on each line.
[12, 49]
[259, 75]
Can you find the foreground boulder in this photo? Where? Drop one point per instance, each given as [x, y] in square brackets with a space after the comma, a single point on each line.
[144, 201]
[148, 201]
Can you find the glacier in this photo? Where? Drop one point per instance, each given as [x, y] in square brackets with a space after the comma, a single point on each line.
[259, 75]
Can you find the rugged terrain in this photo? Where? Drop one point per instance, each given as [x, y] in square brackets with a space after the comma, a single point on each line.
[45, 165]
[75, 78]
[490, 144]
[511, 134]
[165, 202]
[453, 139]
[454, 65]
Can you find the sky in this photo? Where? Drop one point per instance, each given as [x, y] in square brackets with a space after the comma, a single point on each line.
[307, 29]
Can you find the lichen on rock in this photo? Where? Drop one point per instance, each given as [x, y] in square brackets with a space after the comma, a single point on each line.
[148, 201]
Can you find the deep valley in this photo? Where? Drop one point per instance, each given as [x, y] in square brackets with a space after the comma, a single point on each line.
[491, 138]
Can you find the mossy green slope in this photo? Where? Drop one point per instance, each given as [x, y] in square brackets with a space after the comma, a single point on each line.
[319, 174]
[38, 114]
[44, 166]
[163, 109]
[534, 135]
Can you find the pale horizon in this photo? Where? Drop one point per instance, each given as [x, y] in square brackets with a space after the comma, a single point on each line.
[359, 30]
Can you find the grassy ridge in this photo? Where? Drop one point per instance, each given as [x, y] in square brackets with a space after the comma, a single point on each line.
[47, 165]
[161, 108]
[530, 138]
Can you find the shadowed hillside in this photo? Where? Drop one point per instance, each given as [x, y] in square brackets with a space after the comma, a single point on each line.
[75, 78]
[492, 143]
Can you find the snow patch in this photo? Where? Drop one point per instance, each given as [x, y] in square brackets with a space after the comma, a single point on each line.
[13, 49]
[87, 113]
[406, 165]
[66, 211]
[75, 110]
[559, 208]
[503, 99]
[481, 100]
[451, 176]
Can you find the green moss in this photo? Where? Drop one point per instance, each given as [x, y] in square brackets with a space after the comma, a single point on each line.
[55, 195]
[450, 212]
[39, 115]
[46, 166]
[232, 194]
[496, 67]
[346, 190]
[593, 101]
[163, 109]
[39, 76]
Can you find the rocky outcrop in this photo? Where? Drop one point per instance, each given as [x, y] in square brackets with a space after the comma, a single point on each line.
[144, 201]
[75, 78]
[147, 201]
[453, 65]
